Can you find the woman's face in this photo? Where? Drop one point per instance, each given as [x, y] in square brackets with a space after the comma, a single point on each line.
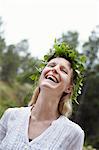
[57, 76]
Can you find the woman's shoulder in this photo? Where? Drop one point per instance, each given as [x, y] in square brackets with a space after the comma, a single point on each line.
[72, 126]
[16, 111]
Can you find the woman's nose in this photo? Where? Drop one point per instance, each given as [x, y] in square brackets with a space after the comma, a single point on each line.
[55, 69]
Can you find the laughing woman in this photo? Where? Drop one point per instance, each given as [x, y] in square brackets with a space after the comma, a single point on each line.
[44, 124]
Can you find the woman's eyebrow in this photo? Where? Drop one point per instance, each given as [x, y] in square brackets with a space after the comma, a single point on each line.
[67, 68]
[51, 63]
[64, 67]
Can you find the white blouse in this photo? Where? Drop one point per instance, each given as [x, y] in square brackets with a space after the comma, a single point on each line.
[63, 134]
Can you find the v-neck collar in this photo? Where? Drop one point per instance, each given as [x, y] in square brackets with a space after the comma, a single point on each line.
[42, 134]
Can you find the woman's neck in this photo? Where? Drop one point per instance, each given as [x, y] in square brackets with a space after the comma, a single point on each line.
[46, 107]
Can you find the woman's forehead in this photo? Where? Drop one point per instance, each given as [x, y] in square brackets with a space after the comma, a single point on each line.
[61, 61]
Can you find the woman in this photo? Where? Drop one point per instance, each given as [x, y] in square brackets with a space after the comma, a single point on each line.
[44, 124]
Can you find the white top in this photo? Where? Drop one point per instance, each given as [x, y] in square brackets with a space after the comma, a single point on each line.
[63, 134]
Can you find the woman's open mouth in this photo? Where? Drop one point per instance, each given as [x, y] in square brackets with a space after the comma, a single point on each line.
[52, 78]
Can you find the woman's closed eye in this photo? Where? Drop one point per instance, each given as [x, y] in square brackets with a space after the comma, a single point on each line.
[51, 65]
[64, 71]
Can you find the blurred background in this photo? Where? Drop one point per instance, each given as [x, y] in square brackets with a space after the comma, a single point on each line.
[27, 32]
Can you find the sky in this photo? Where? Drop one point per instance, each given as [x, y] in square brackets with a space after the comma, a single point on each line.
[41, 21]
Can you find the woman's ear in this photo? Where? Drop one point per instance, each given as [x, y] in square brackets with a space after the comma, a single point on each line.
[68, 92]
[69, 89]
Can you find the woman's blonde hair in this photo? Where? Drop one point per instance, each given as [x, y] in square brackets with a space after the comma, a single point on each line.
[65, 104]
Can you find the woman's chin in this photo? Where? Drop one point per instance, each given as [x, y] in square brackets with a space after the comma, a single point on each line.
[48, 84]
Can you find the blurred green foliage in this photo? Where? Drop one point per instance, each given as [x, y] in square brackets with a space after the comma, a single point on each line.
[89, 147]
[14, 95]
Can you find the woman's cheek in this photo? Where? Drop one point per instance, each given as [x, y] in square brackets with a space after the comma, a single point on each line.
[44, 72]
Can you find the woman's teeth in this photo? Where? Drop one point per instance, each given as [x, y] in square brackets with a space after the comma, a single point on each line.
[52, 78]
